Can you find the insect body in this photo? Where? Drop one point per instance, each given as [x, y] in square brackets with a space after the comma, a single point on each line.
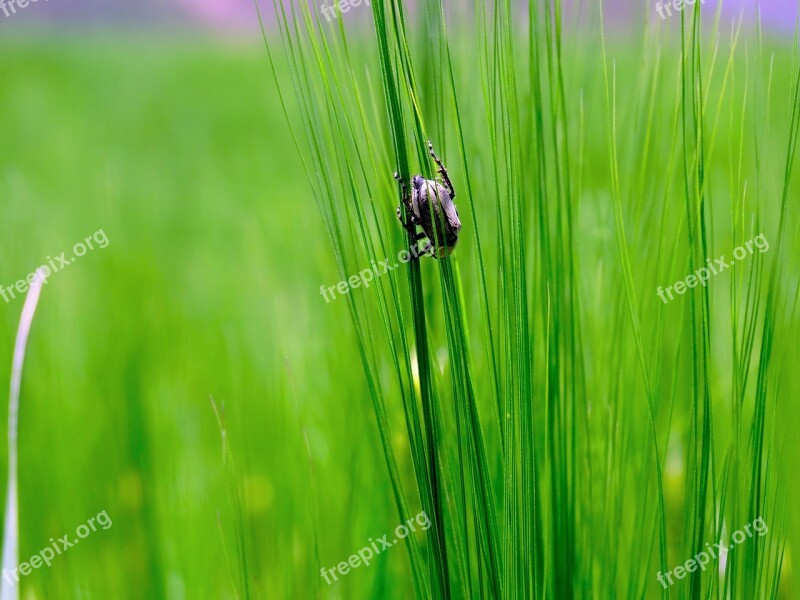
[430, 205]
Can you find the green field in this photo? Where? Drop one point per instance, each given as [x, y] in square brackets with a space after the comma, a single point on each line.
[549, 371]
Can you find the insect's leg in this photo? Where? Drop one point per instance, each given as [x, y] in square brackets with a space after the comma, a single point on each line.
[428, 249]
[403, 189]
[442, 171]
[405, 198]
[415, 250]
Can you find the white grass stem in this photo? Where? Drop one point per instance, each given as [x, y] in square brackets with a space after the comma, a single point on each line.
[10, 590]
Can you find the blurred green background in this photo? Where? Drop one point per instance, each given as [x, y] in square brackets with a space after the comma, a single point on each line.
[179, 150]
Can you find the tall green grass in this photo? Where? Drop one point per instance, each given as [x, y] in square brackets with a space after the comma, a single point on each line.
[568, 433]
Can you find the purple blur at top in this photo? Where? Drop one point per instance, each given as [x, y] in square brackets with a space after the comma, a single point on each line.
[777, 15]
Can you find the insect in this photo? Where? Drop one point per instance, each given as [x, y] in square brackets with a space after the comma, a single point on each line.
[430, 205]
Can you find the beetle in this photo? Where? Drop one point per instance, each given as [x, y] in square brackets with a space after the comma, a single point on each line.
[430, 205]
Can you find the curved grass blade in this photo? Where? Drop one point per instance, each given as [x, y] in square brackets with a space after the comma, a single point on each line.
[10, 591]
